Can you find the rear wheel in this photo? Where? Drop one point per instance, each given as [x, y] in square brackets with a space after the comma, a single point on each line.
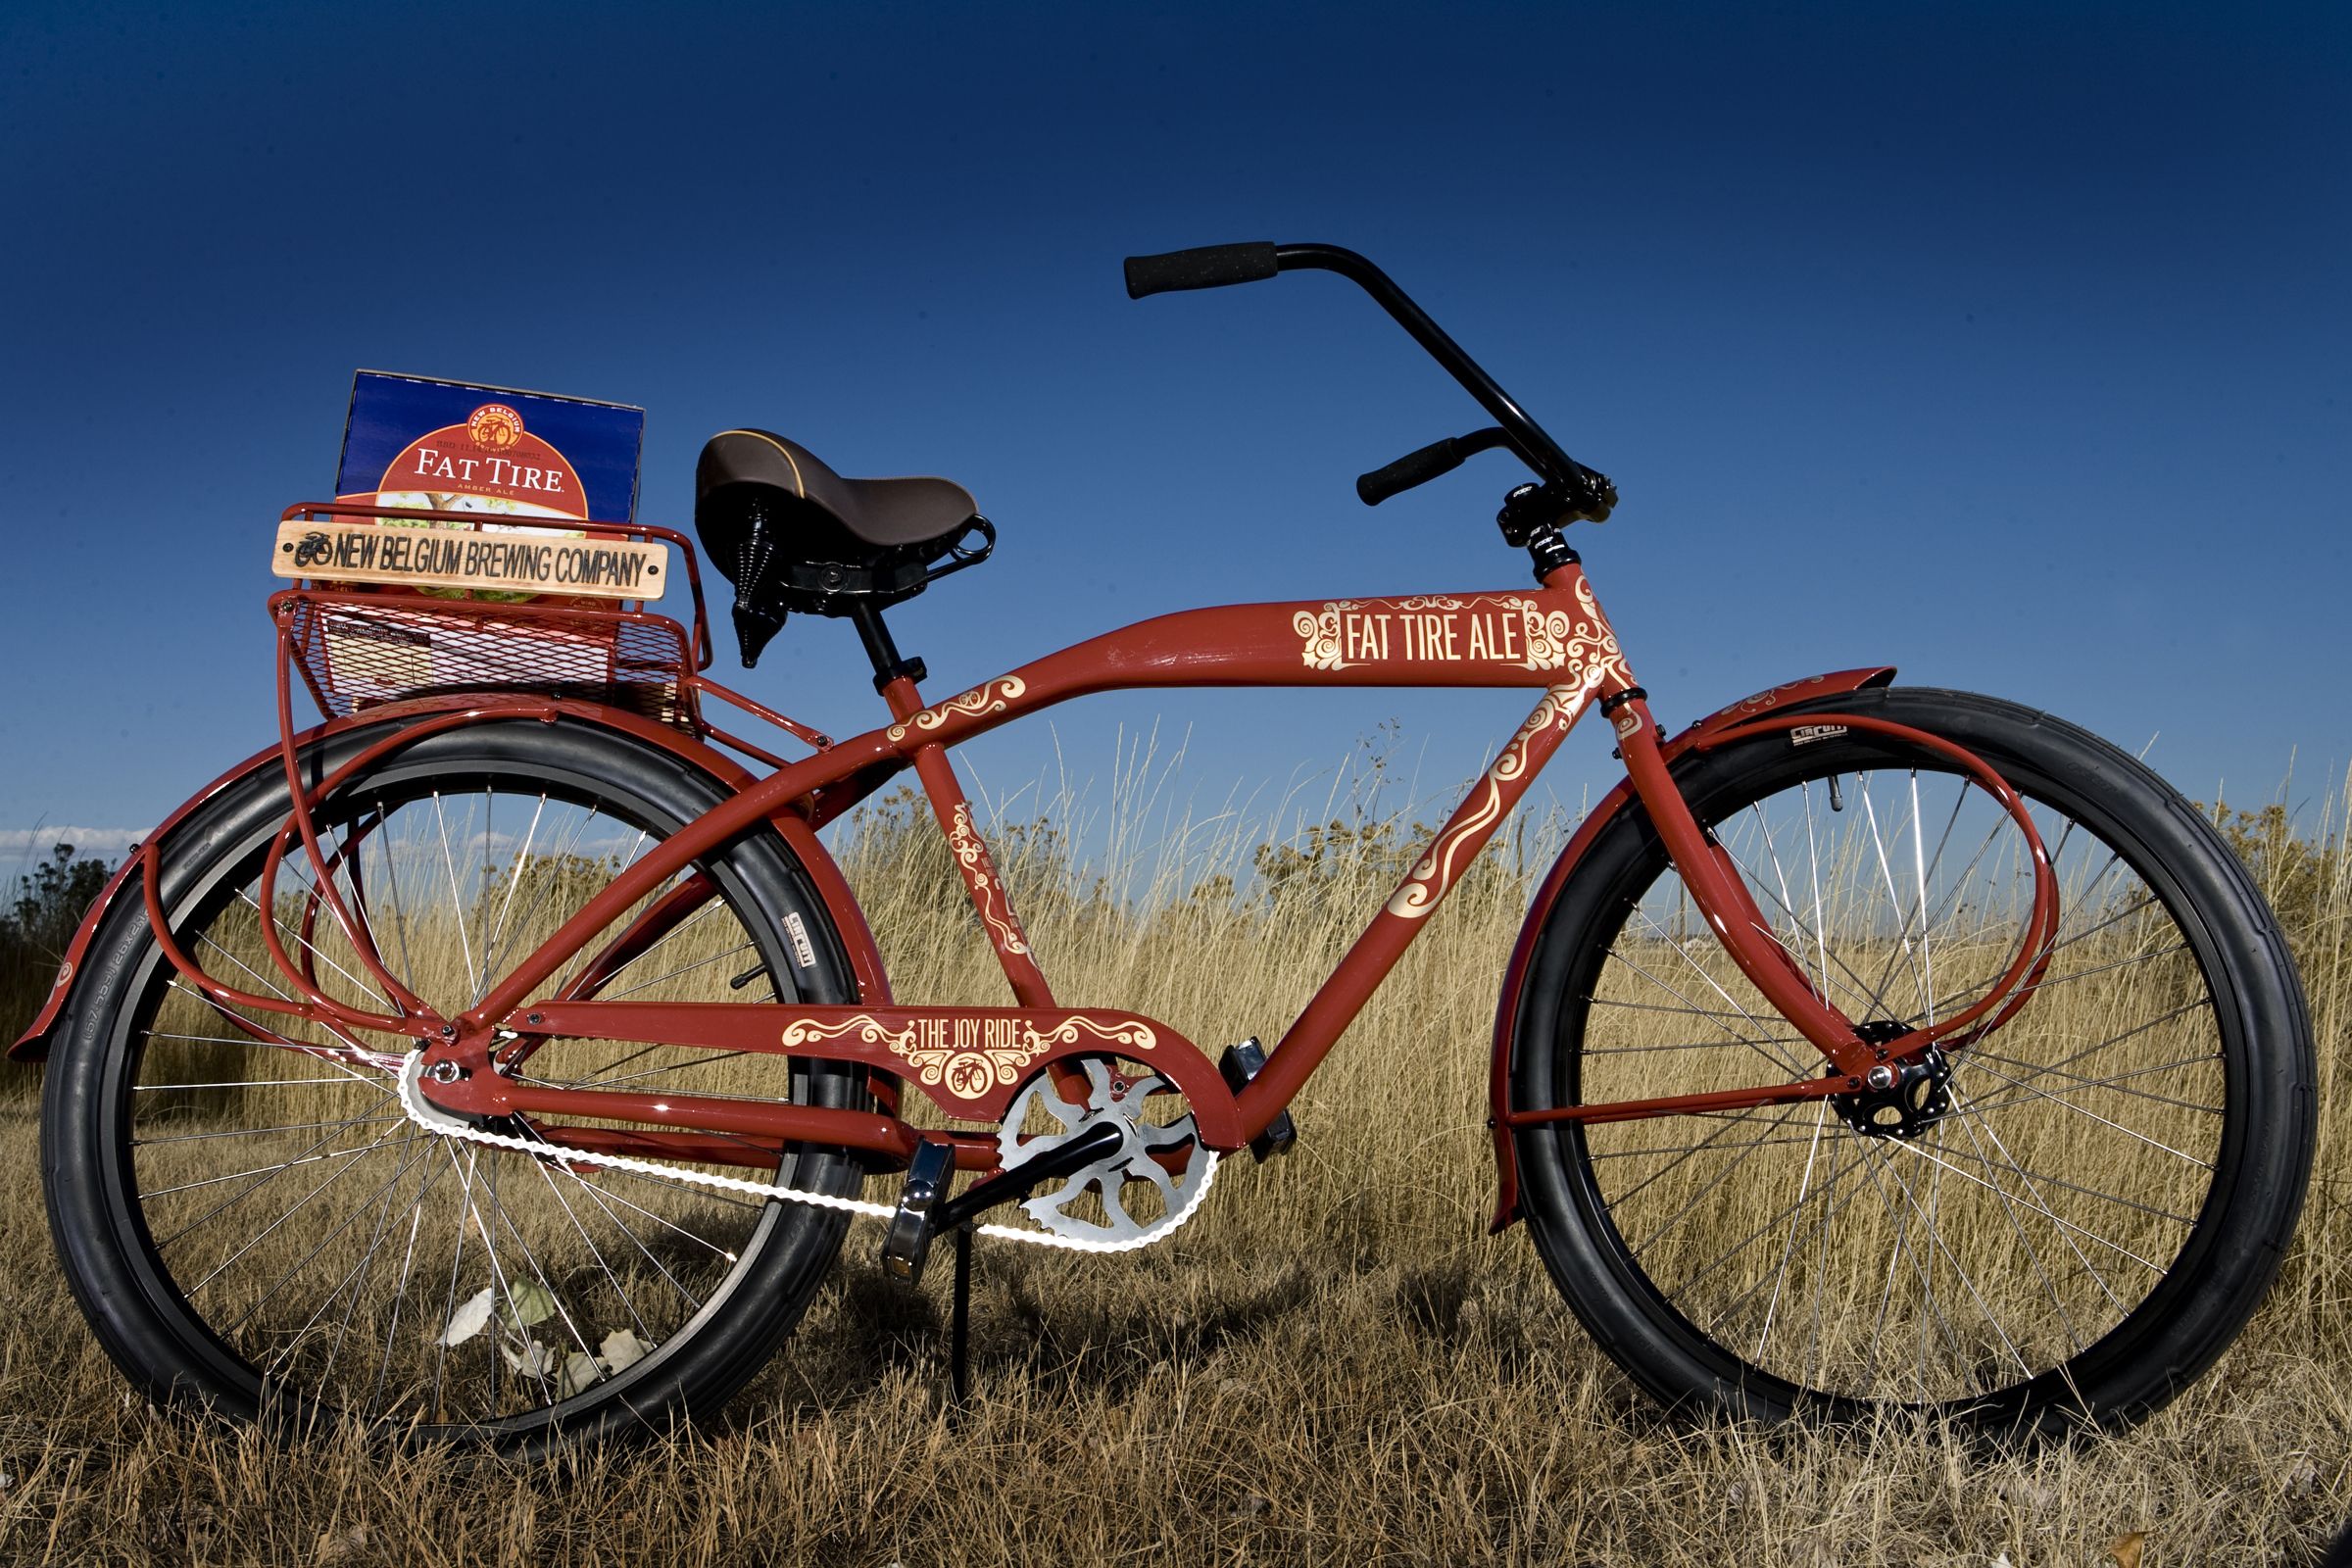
[262, 1229]
[2069, 1217]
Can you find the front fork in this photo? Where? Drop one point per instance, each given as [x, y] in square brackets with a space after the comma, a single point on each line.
[1739, 924]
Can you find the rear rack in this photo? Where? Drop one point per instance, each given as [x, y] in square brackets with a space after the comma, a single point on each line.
[360, 647]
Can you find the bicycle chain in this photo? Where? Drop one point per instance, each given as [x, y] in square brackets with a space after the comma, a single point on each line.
[435, 1120]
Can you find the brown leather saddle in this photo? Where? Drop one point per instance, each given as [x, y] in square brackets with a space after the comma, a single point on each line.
[792, 534]
[887, 514]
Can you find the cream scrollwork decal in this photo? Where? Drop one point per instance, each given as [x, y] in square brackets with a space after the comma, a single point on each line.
[1578, 644]
[1558, 710]
[988, 697]
[1321, 631]
[1762, 700]
[1129, 1032]
[863, 1027]
[1448, 854]
[988, 896]
[1435, 872]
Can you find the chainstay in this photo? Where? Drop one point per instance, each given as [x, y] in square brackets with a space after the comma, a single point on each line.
[435, 1120]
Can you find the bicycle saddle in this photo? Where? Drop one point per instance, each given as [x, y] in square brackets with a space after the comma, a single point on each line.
[792, 534]
[886, 513]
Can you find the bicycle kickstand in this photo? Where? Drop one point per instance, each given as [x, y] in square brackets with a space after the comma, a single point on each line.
[959, 1324]
[924, 1211]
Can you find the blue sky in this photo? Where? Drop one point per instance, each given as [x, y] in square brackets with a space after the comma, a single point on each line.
[2007, 343]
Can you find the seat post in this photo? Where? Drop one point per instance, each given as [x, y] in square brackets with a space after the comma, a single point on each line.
[881, 648]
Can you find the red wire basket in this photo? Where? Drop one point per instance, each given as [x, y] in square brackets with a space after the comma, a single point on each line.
[360, 647]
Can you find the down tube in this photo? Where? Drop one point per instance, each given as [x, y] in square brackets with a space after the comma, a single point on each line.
[1456, 844]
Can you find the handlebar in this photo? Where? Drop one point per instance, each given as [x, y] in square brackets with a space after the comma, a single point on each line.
[1419, 467]
[1216, 265]
[1203, 267]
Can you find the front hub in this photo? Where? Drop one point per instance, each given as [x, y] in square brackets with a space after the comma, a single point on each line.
[1898, 1098]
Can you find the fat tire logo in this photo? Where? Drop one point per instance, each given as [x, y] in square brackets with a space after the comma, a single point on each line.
[313, 548]
[1807, 734]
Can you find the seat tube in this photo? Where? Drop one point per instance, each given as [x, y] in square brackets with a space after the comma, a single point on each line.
[990, 899]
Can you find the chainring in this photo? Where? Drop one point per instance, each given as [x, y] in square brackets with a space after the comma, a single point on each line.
[1092, 1204]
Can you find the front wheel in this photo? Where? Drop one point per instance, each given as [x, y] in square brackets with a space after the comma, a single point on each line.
[262, 1230]
[2070, 1221]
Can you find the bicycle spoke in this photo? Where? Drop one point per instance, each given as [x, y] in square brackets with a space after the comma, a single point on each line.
[265, 1173]
[408, 1158]
[457, 906]
[613, 1280]
[1752, 1041]
[2058, 1099]
[1804, 1186]
[1895, 902]
[400, 1288]
[300, 1203]
[2043, 1203]
[1711, 1141]
[310, 948]
[505, 904]
[688, 968]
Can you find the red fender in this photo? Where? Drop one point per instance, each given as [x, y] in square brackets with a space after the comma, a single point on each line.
[1506, 1009]
[865, 958]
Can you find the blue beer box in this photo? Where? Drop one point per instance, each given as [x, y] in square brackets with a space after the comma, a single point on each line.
[456, 446]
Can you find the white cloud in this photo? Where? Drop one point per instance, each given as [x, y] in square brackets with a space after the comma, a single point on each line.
[36, 843]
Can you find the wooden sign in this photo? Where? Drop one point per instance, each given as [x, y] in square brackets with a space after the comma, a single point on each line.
[506, 562]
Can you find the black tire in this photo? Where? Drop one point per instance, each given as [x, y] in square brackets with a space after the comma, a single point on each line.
[149, 1088]
[2101, 1205]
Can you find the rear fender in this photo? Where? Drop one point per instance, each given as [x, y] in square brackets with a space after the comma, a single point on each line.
[1837, 683]
[864, 957]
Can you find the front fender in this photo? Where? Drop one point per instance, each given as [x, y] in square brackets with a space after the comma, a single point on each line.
[1835, 683]
[865, 958]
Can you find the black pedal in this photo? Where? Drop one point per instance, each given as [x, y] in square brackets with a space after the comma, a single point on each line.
[906, 1244]
[1238, 1066]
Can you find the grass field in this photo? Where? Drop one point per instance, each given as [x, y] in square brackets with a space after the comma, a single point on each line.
[1333, 1363]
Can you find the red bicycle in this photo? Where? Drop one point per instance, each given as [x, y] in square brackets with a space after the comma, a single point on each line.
[506, 1057]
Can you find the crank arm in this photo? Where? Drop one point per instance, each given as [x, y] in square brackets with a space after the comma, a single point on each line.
[920, 1216]
[1062, 1160]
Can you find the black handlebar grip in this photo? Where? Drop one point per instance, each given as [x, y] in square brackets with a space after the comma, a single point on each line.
[1205, 266]
[1414, 468]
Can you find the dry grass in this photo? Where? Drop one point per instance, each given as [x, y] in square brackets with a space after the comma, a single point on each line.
[1333, 1363]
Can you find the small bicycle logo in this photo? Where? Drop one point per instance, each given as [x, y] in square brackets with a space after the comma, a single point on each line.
[495, 428]
[312, 549]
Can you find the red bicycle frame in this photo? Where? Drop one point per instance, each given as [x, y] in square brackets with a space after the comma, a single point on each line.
[1554, 638]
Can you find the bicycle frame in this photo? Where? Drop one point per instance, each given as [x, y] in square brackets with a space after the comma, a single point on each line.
[969, 1060]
